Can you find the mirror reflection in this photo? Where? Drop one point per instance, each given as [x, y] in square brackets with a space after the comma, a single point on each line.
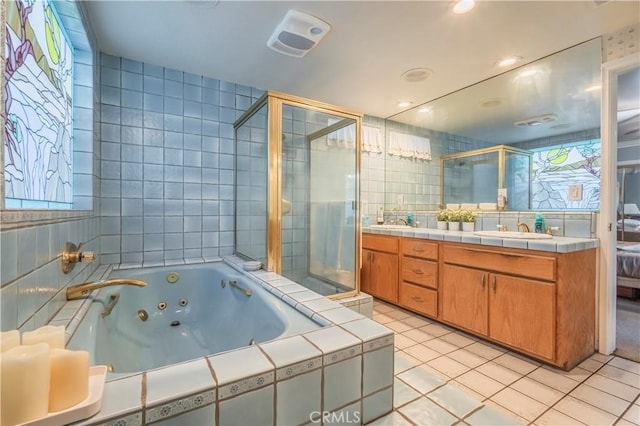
[550, 109]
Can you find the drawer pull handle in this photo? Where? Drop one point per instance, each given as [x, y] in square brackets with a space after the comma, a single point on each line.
[417, 271]
[417, 299]
[484, 277]
[418, 250]
[493, 284]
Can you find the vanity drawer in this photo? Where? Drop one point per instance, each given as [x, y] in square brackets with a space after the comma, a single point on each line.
[380, 243]
[422, 272]
[419, 299]
[514, 263]
[419, 248]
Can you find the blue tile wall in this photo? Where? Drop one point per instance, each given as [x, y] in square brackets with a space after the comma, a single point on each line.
[167, 188]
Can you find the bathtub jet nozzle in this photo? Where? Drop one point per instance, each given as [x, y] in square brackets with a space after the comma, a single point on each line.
[80, 290]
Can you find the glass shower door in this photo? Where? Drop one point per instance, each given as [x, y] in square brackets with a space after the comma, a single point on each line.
[319, 194]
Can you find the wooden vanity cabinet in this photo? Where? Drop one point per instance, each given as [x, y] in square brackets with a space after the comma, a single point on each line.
[541, 303]
[379, 272]
[419, 276]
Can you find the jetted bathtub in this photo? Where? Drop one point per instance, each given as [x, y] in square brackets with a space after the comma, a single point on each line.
[184, 312]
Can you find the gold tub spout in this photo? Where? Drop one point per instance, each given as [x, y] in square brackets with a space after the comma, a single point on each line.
[77, 291]
[523, 226]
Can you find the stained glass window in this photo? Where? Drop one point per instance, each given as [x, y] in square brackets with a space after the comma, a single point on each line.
[554, 168]
[38, 108]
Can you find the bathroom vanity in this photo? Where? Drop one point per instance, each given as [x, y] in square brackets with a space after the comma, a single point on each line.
[535, 297]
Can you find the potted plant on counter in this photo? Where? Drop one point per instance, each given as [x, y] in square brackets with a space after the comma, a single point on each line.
[442, 216]
[468, 218]
[454, 220]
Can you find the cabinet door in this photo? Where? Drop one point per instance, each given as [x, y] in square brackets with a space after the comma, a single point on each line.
[365, 272]
[464, 297]
[384, 276]
[522, 314]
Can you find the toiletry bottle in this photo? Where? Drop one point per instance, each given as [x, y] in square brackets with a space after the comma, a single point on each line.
[539, 224]
[410, 218]
[380, 218]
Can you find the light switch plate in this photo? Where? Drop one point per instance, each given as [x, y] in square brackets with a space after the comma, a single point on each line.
[575, 192]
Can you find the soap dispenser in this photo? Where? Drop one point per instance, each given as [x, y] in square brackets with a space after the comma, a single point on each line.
[380, 218]
[539, 224]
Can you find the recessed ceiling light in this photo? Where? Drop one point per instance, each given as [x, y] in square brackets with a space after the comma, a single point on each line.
[425, 109]
[404, 104]
[593, 88]
[560, 126]
[536, 121]
[416, 74]
[463, 6]
[508, 61]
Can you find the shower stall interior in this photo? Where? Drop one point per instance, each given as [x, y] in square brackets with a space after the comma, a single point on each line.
[297, 191]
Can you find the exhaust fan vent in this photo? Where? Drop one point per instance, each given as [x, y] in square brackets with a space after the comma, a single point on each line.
[297, 34]
[536, 121]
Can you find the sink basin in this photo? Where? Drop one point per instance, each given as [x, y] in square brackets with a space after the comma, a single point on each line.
[513, 234]
[390, 226]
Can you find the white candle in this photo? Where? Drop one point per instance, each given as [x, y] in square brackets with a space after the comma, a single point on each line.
[24, 383]
[69, 378]
[9, 339]
[51, 334]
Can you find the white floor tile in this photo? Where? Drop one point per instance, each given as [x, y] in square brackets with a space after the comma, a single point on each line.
[553, 379]
[620, 375]
[467, 358]
[516, 363]
[480, 383]
[458, 339]
[520, 404]
[625, 364]
[499, 373]
[473, 394]
[555, 418]
[415, 321]
[537, 391]
[448, 366]
[398, 326]
[633, 414]
[418, 335]
[602, 400]
[591, 365]
[382, 318]
[584, 412]
[506, 412]
[435, 330]
[397, 314]
[440, 346]
[488, 416]
[601, 357]
[485, 350]
[400, 341]
[621, 390]
[422, 352]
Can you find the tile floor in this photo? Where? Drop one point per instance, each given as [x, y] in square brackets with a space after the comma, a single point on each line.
[445, 377]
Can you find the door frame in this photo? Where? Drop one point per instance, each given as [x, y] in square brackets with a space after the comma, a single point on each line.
[607, 232]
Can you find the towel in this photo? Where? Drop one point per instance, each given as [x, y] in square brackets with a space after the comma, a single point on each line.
[630, 247]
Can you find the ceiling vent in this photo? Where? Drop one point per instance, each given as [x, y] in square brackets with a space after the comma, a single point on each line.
[297, 34]
[536, 121]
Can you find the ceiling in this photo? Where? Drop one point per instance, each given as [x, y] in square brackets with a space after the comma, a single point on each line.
[359, 63]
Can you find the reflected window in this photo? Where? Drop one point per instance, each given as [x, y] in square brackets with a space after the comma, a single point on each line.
[38, 108]
[557, 167]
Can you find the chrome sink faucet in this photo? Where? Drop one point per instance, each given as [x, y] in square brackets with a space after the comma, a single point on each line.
[79, 290]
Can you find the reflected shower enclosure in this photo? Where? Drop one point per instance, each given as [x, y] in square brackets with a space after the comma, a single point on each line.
[475, 176]
[297, 191]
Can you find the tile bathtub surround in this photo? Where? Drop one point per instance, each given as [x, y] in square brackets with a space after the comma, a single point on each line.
[341, 369]
[167, 162]
[445, 376]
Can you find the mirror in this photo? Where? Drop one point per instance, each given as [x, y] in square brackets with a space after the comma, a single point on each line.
[536, 107]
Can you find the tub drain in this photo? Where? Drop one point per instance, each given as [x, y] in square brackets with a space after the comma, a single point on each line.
[172, 277]
[143, 315]
[174, 323]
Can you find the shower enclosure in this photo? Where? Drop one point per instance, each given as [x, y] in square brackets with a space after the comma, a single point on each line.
[475, 176]
[297, 191]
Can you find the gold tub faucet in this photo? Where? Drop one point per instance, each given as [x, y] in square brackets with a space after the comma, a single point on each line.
[523, 227]
[79, 290]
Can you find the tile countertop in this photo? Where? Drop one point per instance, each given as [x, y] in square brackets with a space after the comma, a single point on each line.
[555, 244]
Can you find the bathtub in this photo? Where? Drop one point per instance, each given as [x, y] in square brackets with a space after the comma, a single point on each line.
[185, 312]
